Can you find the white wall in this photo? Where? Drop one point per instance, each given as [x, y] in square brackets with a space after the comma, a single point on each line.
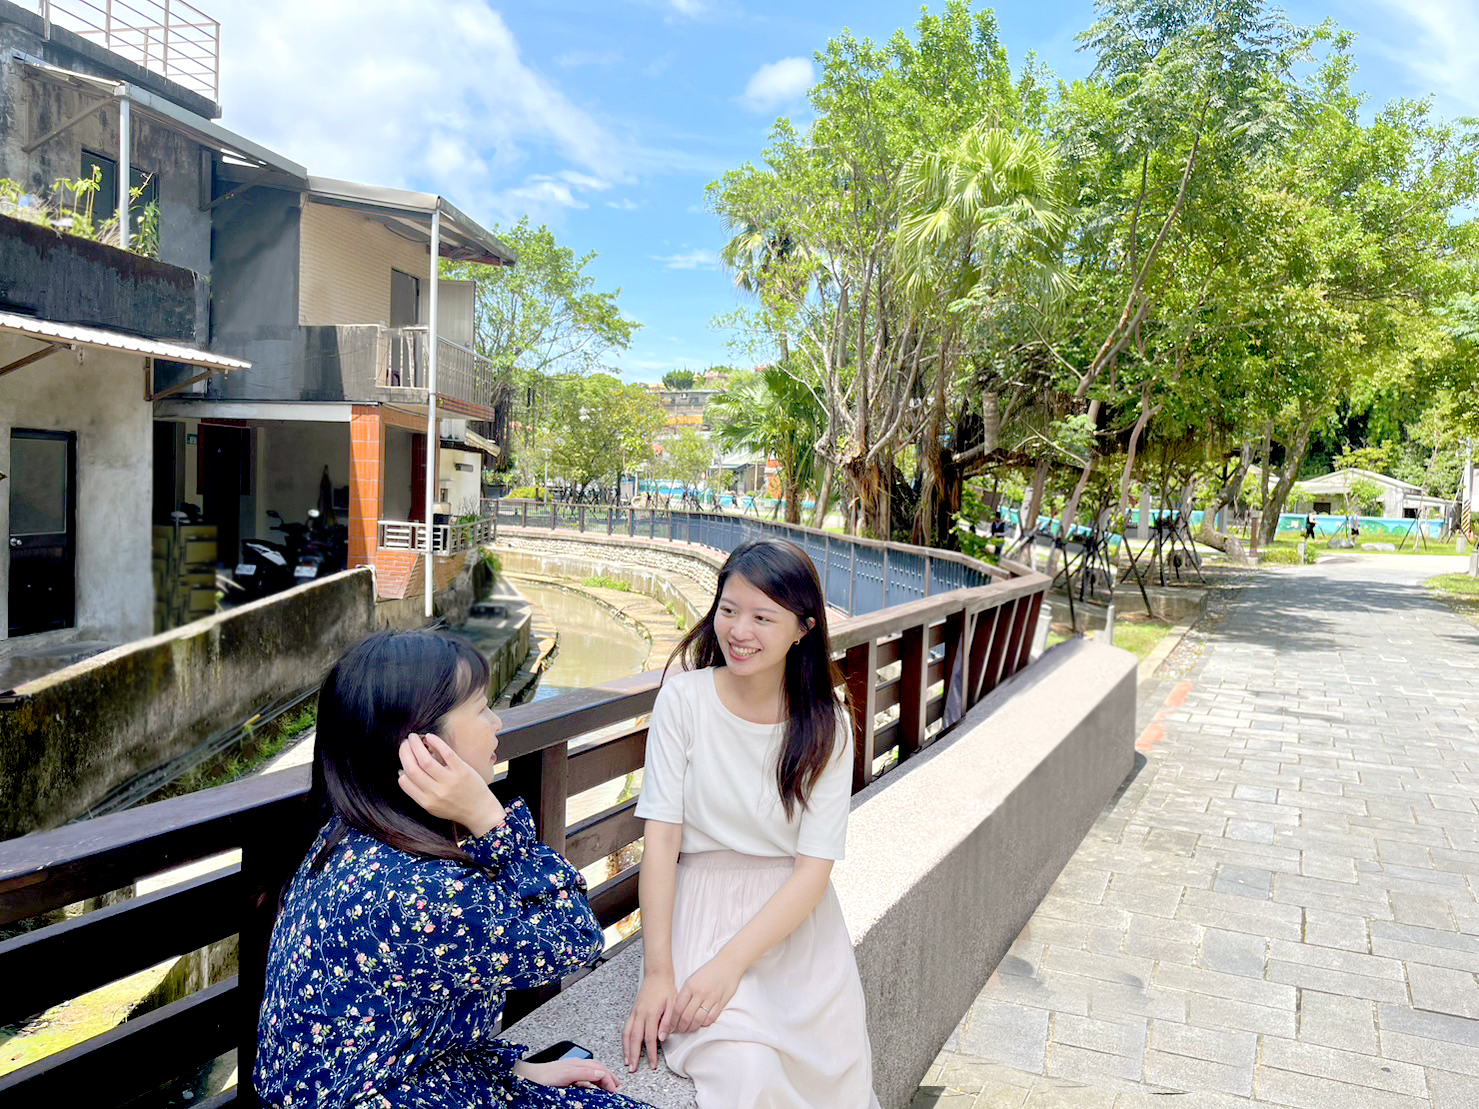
[102, 401]
[464, 488]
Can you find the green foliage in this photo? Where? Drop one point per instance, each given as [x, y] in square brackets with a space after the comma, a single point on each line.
[69, 209]
[774, 413]
[491, 560]
[600, 581]
[678, 379]
[594, 427]
[1364, 498]
[686, 458]
[526, 493]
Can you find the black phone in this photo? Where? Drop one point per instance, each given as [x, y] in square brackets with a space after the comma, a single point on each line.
[565, 1049]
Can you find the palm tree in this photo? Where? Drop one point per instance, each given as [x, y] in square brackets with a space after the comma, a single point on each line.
[981, 231]
[773, 412]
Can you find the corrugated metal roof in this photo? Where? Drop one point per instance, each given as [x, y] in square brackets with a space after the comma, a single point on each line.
[49, 331]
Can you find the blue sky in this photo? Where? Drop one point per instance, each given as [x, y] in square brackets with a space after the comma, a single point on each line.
[606, 118]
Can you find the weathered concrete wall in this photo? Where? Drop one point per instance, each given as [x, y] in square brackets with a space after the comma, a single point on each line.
[947, 858]
[661, 584]
[101, 400]
[620, 558]
[30, 107]
[61, 277]
[79, 732]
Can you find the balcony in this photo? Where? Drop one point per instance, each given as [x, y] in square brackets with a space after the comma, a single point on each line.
[169, 37]
[446, 539]
[465, 379]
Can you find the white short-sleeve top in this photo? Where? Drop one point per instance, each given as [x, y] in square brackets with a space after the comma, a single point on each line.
[714, 773]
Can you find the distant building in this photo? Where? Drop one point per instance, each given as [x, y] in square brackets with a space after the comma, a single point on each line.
[1400, 499]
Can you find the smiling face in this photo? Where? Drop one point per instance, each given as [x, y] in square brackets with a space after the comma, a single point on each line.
[471, 729]
[754, 631]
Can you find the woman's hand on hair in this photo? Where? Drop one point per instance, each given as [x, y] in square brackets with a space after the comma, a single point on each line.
[436, 778]
[585, 1073]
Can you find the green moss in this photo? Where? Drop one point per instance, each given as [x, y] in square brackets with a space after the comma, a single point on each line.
[600, 581]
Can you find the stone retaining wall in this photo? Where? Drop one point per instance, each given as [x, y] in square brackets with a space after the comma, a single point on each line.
[648, 566]
[947, 858]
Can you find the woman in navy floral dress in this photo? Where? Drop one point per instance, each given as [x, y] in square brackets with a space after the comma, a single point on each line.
[420, 902]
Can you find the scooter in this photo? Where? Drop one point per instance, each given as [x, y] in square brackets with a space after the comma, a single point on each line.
[263, 568]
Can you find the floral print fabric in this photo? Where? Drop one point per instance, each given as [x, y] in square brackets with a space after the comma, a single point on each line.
[387, 972]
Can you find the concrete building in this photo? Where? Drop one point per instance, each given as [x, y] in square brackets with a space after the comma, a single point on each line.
[76, 431]
[1399, 499]
[330, 288]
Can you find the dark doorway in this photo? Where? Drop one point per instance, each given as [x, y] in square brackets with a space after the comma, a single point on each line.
[225, 476]
[418, 477]
[43, 531]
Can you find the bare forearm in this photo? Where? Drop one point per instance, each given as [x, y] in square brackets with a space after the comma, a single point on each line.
[655, 891]
[781, 915]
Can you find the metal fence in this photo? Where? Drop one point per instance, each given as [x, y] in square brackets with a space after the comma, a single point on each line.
[168, 37]
[858, 575]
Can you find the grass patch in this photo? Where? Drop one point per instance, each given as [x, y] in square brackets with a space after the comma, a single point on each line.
[1285, 552]
[1458, 585]
[1459, 592]
[260, 744]
[1140, 637]
[600, 581]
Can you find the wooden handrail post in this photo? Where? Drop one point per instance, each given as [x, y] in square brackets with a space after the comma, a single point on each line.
[610, 521]
[541, 779]
[582, 519]
[913, 689]
[861, 668]
[957, 652]
[982, 635]
[1023, 625]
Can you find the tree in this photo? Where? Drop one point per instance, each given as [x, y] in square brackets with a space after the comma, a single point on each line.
[687, 457]
[595, 427]
[539, 318]
[678, 380]
[771, 412]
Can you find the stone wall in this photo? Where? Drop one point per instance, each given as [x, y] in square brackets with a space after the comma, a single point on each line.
[677, 574]
[71, 737]
[947, 858]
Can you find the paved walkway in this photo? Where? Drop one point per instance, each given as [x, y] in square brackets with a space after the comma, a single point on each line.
[1280, 907]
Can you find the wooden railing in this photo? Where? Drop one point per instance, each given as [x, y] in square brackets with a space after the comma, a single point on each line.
[912, 670]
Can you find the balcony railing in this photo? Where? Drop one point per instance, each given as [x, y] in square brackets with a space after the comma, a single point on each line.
[912, 670]
[464, 377]
[446, 539]
[169, 37]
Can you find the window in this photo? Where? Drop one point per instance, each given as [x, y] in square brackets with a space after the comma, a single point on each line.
[105, 200]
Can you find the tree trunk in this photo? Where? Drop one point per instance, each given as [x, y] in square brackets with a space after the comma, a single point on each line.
[1028, 520]
[1273, 504]
[1070, 510]
[1254, 525]
[824, 493]
[1227, 494]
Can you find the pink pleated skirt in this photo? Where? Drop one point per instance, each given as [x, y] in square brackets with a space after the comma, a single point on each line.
[794, 1036]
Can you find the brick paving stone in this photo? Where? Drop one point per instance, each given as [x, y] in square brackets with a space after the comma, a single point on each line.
[1282, 908]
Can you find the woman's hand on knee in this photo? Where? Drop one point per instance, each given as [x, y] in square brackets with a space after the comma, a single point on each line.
[704, 995]
[650, 1020]
[436, 778]
[586, 1073]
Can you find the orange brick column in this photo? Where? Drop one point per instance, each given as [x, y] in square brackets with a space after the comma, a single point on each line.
[366, 483]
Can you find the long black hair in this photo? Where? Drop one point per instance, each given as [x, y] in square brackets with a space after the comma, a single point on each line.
[784, 573]
[383, 689]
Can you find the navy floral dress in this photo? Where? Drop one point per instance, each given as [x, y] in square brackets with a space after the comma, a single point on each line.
[387, 972]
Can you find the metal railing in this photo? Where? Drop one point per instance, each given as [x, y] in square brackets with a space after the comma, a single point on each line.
[410, 535]
[169, 37]
[912, 671]
[858, 575]
[462, 373]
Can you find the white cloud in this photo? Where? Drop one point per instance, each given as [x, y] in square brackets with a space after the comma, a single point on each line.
[688, 7]
[777, 83]
[1438, 50]
[574, 59]
[699, 259]
[625, 204]
[374, 91]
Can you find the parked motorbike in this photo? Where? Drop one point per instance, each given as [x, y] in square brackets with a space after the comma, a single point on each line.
[323, 549]
[308, 551]
[263, 569]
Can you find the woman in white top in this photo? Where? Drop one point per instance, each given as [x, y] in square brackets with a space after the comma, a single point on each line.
[749, 980]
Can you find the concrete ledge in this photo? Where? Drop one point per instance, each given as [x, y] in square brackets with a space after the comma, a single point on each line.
[948, 857]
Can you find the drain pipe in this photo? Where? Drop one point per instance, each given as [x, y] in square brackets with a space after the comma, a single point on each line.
[433, 439]
[125, 162]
